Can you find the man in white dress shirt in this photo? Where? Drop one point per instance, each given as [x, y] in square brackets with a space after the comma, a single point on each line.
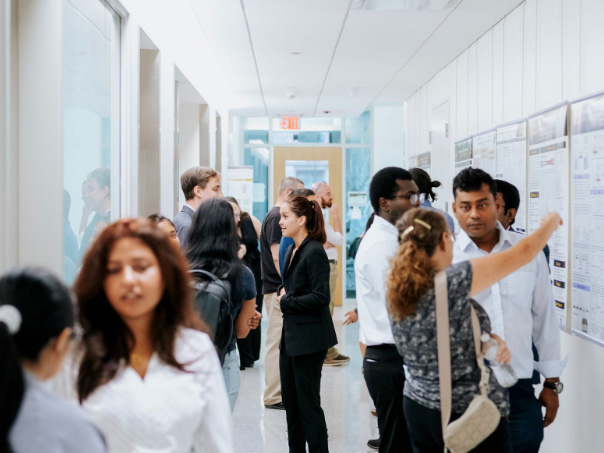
[392, 192]
[521, 308]
[334, 239]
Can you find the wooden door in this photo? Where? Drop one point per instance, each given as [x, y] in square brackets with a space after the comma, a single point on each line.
[334, 156]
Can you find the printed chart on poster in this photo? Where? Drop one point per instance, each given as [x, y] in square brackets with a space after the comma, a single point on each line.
[463, 154]
[241, 186]
[423, 161]
[511, 164]
[484, 152]
[587, 166]
[549, 188]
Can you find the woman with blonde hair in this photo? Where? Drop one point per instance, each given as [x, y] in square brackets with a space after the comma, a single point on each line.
[426, 247]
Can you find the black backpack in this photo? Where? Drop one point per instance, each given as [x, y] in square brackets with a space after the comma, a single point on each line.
[212, 300]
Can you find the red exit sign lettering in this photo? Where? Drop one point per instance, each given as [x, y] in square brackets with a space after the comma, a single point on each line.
[290, 123]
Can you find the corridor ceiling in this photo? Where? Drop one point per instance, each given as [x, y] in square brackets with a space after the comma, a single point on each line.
[309, 57]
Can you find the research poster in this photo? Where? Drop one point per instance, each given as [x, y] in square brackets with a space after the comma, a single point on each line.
[241, 186]
[511, 164]
[549, 189]
[423, 161]
[484, 152]
[587, 167]
[463, 154]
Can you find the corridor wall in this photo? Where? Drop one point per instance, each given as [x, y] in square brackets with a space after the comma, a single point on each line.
[542, 53]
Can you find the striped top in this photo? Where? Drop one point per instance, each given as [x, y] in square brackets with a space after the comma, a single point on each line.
[167, 411]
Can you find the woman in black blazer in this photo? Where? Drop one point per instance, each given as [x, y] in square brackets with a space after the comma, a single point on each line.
[308, 330]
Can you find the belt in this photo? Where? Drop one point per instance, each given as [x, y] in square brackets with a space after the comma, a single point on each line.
[334, 262]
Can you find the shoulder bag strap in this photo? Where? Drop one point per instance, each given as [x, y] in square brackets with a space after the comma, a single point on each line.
[484, 371]
[444, 349]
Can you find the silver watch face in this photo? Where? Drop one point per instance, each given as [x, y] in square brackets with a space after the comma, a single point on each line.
[559, 387]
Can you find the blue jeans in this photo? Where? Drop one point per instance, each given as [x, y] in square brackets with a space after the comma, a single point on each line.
[232, 379]
[526, 419]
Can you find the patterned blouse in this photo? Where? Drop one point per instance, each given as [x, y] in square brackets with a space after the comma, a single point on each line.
[415, 338]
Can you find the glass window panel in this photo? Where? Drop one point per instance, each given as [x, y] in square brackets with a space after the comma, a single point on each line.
[259, 158]
[90, 125]
[255, 130]
[358, 129]
[358, 207]
[310, 130]
[308, 171]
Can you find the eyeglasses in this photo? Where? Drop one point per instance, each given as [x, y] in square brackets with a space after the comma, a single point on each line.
[414, 198]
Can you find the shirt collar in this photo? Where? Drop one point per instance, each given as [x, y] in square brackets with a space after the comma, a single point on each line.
[189, 206]
[426, 202]
[383, 224]
[464, 240]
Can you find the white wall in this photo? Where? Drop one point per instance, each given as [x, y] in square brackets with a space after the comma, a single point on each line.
[542, 53]
[189, 139]
[388, 136]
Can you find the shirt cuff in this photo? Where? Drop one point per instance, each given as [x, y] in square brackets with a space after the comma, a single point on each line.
[551, 368]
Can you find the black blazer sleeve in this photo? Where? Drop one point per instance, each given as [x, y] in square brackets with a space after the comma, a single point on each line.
[316, 286]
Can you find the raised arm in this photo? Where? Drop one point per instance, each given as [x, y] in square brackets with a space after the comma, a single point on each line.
[491, 268]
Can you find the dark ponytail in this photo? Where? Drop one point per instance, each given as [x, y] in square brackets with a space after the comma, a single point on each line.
[315, 224]
[12, 386]
[316, 228]
[44, 308]
[424, 182]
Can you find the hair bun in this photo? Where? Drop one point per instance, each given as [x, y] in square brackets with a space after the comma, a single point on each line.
[10, 315]
[435, 184]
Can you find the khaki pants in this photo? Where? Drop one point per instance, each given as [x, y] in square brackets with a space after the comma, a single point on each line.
[333, 281]
[272, 380]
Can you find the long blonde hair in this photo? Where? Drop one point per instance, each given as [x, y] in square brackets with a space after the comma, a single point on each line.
[412, 272]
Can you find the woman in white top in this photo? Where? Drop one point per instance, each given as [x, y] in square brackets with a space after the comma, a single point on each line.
[145, 373]
[36, 320]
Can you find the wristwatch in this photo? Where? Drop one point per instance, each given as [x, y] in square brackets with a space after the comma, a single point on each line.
[555, 386]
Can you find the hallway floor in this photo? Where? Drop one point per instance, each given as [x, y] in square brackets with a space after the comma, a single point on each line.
[344, 399]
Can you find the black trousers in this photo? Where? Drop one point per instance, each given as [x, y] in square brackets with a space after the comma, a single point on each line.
[526, 418]
[427, 434]
[385, 378]
[249, 347]
[301, 394]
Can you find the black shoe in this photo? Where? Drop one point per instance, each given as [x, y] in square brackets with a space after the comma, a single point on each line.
[374, 444]
[278, 405]
[241, 368]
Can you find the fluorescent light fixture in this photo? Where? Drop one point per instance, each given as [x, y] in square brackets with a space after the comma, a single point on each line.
[402, 5]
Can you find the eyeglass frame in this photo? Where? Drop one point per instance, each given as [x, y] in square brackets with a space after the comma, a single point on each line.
[421, 197]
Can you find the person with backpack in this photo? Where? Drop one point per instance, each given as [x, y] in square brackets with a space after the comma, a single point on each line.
[213, 246]
[144, 370]
[36, 322]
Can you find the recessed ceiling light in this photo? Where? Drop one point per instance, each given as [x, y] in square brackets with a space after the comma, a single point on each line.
[295, 53]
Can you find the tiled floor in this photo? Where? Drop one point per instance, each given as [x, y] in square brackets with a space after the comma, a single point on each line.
[344, 399]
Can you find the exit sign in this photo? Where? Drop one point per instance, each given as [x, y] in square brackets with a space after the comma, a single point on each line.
[290, 123]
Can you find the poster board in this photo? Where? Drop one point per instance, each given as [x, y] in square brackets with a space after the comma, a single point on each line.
[423, 161]
[241, 186]
[587, 229]
[463, 154]
[484, 151]
[511, 149]
[549, 190]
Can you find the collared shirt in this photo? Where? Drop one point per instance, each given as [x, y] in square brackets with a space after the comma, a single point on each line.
[47, 423]
[168, 410]
[521, 308]
[372, 267]
[334, 238]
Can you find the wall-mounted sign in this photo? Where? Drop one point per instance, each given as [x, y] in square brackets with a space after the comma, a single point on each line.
[290, 123]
